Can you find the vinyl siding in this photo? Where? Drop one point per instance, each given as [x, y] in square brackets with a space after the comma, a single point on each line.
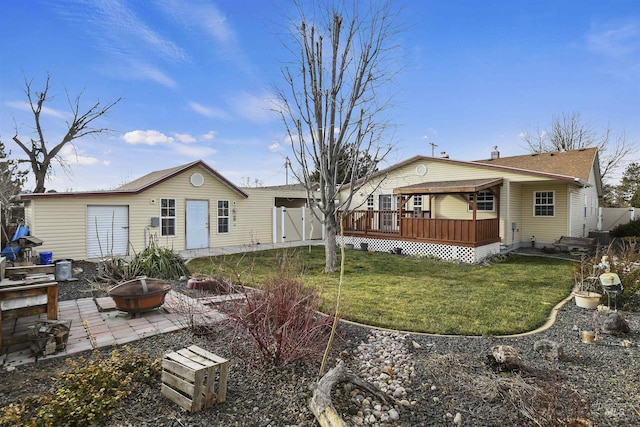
[516, 198]
[62, 222]
[515, 214]
[436, 171]
[545, 229]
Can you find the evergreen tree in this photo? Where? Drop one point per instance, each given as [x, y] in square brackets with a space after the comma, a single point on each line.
[628, 191]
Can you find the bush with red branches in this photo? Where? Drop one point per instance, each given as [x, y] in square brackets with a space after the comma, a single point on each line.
[281, 321]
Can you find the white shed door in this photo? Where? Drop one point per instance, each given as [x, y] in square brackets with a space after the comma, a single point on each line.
[107, 231]
[197, 224]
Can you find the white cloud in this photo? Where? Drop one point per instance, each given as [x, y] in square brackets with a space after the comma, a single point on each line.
[615, 40]
[256, 109]
[208, 136]
[184, 138]
[149, 72]
[123, 31]
[24, 106]
[207, 18]
[146, 137]
[275, 147]
[208, 111]
[72, 156]
[127, 40]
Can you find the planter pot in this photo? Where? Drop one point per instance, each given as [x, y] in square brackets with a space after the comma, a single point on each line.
[364, 246]
[348, 245]
[397, 251]
[585, 299]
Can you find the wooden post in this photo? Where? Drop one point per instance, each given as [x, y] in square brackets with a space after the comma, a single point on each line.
[52, 302]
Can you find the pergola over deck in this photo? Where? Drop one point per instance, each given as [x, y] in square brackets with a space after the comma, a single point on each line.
[405, 225]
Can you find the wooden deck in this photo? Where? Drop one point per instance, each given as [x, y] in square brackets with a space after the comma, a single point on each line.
[403, 226]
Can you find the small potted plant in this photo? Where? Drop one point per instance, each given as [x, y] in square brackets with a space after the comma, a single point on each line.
[586, 280]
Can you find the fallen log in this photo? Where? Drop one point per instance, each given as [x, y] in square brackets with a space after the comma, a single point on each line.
[321, 405]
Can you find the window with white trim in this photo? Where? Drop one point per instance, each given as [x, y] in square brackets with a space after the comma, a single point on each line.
[386, 202]
[485, 202]
[370, 202]
[167, 217]
[223, 216]
[544, 203]
[417, 206]
[585, 205]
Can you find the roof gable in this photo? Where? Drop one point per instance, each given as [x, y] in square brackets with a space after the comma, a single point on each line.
[575, 163]
[157, 177]
[143, 183]
[571, 166]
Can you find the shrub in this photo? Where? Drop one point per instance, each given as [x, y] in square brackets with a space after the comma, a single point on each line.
[159, 262]
[88, 392]
[281, 320]
[632, 228]
[154, 261]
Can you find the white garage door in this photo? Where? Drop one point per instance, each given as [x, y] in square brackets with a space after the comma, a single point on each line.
[107, 231]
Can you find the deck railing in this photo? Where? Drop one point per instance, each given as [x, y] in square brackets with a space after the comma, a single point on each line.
[392, 224]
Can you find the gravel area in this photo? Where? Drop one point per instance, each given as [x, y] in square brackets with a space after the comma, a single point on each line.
[430, 380]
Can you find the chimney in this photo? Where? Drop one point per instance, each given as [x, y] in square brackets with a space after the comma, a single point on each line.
[495, 154]
[444, 155]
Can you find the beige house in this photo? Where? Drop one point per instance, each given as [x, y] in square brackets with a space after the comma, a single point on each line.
[468, 210]
[186, 207]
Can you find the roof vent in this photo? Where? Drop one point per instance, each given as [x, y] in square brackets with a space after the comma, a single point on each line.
[495, 154]
[444, 155]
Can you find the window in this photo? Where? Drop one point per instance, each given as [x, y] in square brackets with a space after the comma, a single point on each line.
[223, 216]
[544, 203]
[386, 202]
[168, 217]
[417, 206]
[370, 202]
[484, 203]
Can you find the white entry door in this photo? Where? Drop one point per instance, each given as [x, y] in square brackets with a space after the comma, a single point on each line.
[197, 224]
[107, 231]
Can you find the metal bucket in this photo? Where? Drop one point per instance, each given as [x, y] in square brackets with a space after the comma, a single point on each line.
[63, 270]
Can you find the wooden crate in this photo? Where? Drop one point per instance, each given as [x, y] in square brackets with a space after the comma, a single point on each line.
[194, 378]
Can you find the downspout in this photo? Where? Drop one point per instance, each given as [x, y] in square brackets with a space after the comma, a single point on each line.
[570, 209]
[274, 221]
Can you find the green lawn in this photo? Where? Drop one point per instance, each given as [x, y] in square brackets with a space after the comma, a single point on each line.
[422, 295]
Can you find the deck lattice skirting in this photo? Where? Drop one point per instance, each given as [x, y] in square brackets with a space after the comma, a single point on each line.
[465, 254]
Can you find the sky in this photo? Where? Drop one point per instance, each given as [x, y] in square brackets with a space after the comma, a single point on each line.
[196, 78]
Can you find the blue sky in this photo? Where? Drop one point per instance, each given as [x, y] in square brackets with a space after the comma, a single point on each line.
[196, 78]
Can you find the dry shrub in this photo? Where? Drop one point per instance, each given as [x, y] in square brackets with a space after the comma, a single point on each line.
[280, 320]
[540, 401]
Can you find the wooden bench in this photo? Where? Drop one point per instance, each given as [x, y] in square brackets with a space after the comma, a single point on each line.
[567, 243]
[27, 298]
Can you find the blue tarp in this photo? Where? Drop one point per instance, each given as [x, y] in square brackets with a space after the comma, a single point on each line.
[12, 249]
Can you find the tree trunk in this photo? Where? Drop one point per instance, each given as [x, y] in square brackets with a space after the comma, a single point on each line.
[321, 405]
[330, 248]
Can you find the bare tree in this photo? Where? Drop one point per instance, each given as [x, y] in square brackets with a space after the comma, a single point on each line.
[334, 99]
[39, 154]
[11, 182]
[567, 132]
